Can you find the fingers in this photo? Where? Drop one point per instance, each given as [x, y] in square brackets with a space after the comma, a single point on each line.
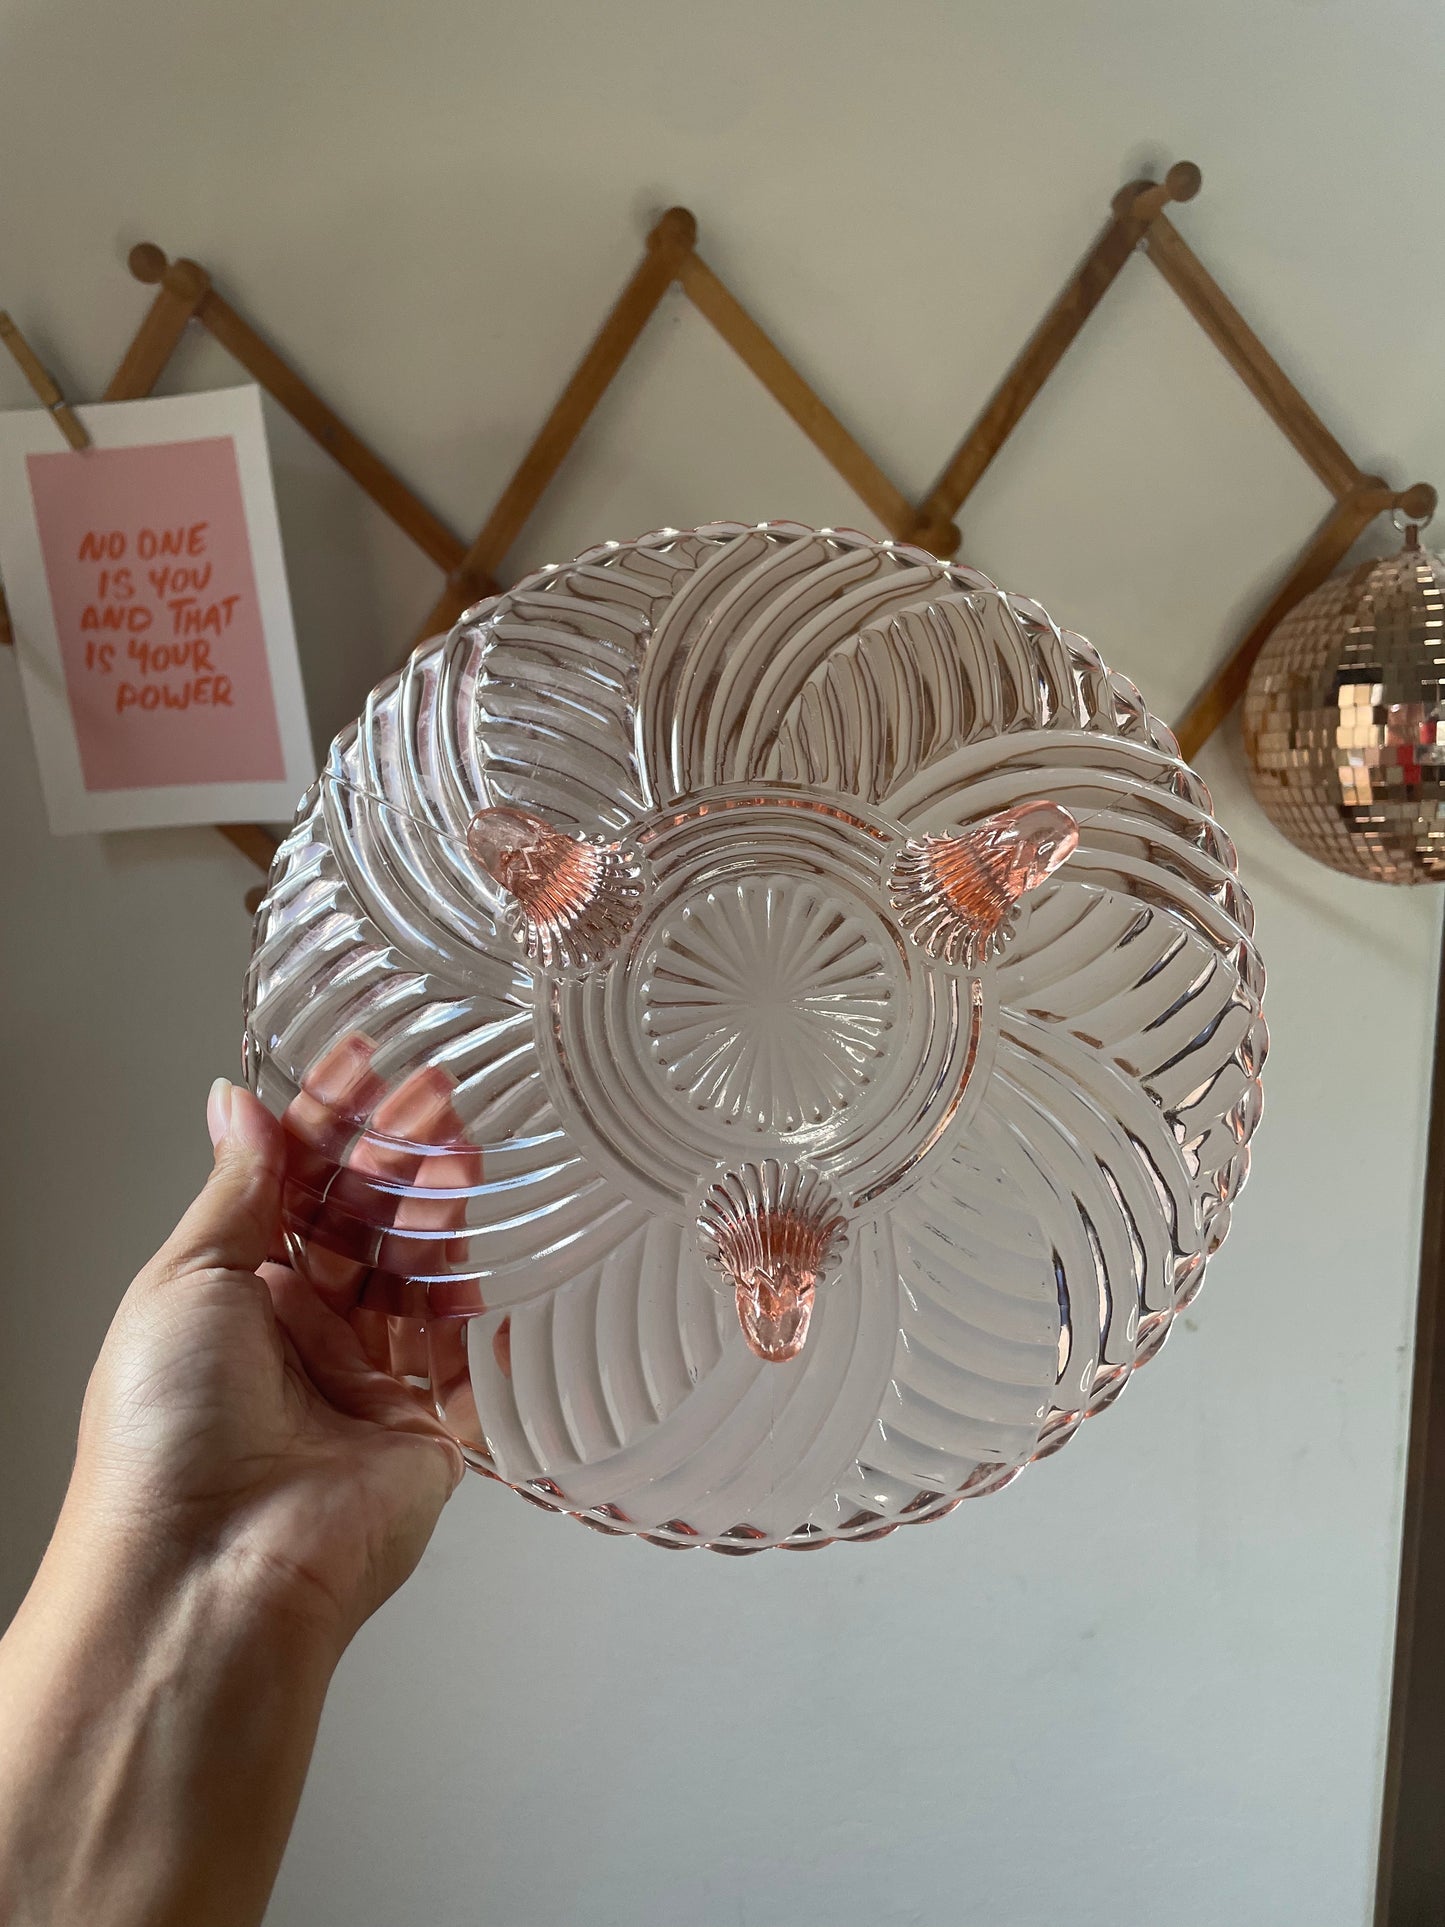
[337, 1095]
[337, 1365]
[429, 1200]
[233, 1223]
[373, 1190]
[376, 1177]
[439, 1183]
[378, 1183]
[451, 1381]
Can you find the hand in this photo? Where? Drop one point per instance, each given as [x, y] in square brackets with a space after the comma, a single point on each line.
[235, 1419]
[250, 1483]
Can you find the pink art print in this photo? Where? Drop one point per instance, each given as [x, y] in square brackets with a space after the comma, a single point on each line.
[149, 568]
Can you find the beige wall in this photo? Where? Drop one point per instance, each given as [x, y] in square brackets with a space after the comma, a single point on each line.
[1148, 1685]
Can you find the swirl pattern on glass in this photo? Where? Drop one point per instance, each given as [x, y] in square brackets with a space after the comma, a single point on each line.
[806, 750]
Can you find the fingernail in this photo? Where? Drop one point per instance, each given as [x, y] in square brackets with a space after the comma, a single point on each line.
[336, 1074]
[218, 1112]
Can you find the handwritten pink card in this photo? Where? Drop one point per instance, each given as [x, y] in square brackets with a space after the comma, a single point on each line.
[147, 590]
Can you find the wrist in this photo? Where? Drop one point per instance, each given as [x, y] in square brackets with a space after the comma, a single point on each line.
[167, 1713]
[146, 1586]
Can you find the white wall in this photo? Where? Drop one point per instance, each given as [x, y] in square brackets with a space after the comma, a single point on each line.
[1147, 1686]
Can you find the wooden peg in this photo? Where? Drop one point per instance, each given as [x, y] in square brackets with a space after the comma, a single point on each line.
[147, 262]
[43, 382]
[674, 232]
[1417, 503]
[1144, 200]
[1375, 494]
[183, 287]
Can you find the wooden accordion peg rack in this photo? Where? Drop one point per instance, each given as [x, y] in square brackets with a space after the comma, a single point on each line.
[1138, 224]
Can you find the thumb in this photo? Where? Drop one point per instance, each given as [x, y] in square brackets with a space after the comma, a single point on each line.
[233, 1223]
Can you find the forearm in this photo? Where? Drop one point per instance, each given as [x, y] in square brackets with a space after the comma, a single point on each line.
[248, 1488]
[156, 1732]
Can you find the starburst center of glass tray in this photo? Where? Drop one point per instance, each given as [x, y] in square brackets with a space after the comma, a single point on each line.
[765, 1002]
[769, 1000]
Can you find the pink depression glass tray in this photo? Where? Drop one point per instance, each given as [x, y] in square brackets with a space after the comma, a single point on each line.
[768, 1032]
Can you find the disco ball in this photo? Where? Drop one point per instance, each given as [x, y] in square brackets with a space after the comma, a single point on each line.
[1342, 719]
